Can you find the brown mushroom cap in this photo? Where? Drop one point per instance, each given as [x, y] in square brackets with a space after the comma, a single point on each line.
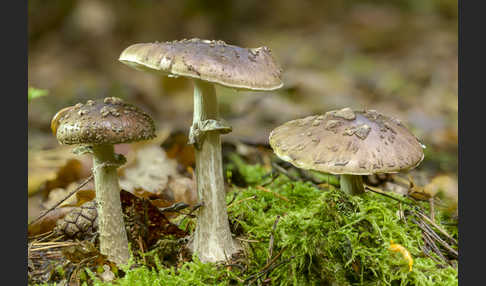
[212, 61]
[102, 121]
[347, 142]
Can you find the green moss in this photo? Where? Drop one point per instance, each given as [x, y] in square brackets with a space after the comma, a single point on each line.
[326, 237]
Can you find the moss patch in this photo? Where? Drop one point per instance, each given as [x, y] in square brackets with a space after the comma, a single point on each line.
[326, 238]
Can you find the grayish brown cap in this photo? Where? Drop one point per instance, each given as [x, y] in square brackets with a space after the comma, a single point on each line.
[348, 142]
[103, 121]
[212, 61]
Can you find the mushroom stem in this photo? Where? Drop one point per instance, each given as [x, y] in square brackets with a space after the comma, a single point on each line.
[111, 228]
[352, 184]
[212, 238]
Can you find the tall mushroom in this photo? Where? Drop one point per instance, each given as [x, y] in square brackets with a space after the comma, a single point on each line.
[208, 63]
[96, 126]
[349, 143]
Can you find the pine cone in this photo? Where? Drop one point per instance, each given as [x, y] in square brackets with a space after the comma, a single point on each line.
[80, 222]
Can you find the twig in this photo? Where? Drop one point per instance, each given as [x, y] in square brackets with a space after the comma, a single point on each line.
[442, 242]
[439, 239]
[379, 191]
[270, 243]
[60, 202]
[140, 244]
[432, 209]
[267, 269]
[283, 171]
[425, 228]
[235, 194]
[426, 250]
[438, 228]
[54, 246]
[194, 208]
[292, 177]
[240, 201]
[241, 267]
[430, 242]
[272, 260]
[273, 175]
[42, 236]
[273, 193]
[247, 240]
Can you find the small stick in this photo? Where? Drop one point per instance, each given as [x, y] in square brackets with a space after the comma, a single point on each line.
[430, 242]
[44, 243]
[60, 202]
[379, 191]
[433, 235]
[285, 172]
[194, 208]
[442, 242]
[273, 260]
[426, 250]
[140, 244]
[273, 193]
[243, 200]
[270, 244]
[438, 227]
[42, 236]
[247, 240]
[235, 194]
[54, 246]
[432, 209]
[273, 175]
[266, 269]
[292, 177]
[439, 239]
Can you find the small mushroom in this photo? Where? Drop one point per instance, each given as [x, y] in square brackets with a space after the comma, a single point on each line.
[208, 63]
[96, 126]
[349, 143]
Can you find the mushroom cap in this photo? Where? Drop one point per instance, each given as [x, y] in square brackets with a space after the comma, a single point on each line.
[348, 142]
[103, 121]
[211, 61]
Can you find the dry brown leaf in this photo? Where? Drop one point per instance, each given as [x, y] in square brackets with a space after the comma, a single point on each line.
[445, 187]
[154, 176]
[145, 220]
[176, 148]
[48, 222]
[84, 196]
[55, 168]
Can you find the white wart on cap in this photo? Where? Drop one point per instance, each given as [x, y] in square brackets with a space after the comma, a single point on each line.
[348, 142]
[211, 61]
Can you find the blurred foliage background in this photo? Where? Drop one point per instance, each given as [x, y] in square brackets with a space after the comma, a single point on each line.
[396, 56]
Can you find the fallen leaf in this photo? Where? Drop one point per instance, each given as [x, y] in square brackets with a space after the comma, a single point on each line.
[154, 176]
[48, 222]
[83, 250]
[446, 188]
[55, 168]
[176, 148]
[146, 220]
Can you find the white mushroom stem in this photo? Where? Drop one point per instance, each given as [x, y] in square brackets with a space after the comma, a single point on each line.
[212, 238]
[111, 228]
[352, 184]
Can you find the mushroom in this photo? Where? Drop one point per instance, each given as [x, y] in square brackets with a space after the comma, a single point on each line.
[208, 63]
[348, 143]
[96, 126]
